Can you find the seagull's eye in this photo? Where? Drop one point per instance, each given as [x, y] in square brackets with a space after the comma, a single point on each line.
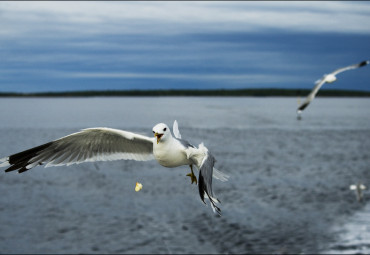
[153, 132]
[164, 129]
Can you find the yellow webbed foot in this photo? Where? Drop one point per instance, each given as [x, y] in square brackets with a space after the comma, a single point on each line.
[193, 178]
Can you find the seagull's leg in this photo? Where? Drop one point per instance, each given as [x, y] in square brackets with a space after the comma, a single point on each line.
[192, 176]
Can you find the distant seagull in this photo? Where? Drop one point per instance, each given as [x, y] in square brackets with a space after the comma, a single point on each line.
[102, 144]
[358, 188]
[327, 78]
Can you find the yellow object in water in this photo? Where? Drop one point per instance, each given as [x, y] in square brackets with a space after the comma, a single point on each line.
[138, 186]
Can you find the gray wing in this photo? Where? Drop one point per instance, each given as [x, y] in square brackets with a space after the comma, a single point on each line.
[205, 181]
[363, 63]
[177, 135]
[185, 143]
[92, 144]
[312, 95]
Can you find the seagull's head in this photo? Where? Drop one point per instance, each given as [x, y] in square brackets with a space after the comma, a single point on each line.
[162, 132]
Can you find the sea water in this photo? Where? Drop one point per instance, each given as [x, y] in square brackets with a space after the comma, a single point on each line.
[288, 189]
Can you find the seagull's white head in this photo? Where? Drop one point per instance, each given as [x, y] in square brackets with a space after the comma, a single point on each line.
[162, 132]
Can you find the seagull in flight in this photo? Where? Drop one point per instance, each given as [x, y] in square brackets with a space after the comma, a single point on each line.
[103, 144]
[327, 78]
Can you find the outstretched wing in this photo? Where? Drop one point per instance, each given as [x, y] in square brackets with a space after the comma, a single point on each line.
[363, 63]
[92, 144]
[312, 95]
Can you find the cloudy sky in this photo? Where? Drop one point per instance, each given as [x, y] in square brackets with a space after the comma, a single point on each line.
[64, 46]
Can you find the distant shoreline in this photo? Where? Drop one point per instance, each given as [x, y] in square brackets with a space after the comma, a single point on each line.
[215, 92]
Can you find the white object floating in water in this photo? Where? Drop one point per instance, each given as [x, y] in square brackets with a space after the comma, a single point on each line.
[354, 187]
[358, 188]
[138, 186]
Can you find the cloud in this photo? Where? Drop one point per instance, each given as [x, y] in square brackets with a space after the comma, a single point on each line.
[215, 43]
[232, 78]
[95, 17]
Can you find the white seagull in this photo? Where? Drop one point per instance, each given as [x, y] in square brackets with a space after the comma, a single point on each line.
[103, 144]
[327, 78]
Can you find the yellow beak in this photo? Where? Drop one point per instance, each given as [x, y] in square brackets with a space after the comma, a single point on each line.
[158, 137]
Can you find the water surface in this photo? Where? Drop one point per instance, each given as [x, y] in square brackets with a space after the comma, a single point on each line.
[288, 191]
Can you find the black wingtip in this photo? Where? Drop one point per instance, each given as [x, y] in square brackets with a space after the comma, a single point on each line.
[20, 167]
[201, 187]
[22, 170]
[364, 63]
[302, 107]
[217, 210]
[20, 160]
[202, 190]
[13, 168]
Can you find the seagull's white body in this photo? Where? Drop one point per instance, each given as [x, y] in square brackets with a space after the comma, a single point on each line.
[168, 157]
[102, 144]
[327, 78]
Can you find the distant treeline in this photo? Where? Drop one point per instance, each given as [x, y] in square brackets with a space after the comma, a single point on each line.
[215, 92]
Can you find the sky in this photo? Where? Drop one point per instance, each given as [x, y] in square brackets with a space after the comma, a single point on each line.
[125, 45]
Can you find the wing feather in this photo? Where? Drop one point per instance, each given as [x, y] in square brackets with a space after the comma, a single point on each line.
[312, 95]
[339, 70]
[92, 144]
[176, 131]
[205, 163]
